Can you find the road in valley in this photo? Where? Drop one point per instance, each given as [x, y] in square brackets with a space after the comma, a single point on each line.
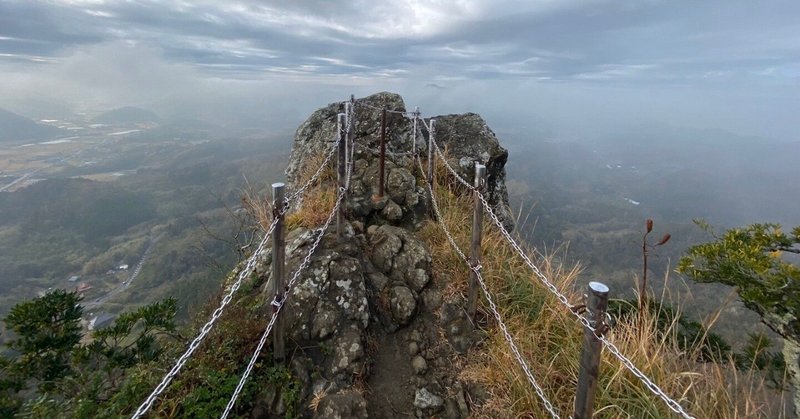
[125, 284]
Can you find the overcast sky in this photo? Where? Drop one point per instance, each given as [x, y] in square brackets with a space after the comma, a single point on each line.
[573, 65]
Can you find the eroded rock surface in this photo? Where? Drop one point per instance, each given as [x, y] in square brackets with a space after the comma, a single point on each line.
[369, 333]
[466, 139]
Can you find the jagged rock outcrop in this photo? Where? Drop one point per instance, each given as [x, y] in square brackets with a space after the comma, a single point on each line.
[367, 311]
[466, 139]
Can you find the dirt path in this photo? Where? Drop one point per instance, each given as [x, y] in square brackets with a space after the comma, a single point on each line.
[390, 393]
[416, 359]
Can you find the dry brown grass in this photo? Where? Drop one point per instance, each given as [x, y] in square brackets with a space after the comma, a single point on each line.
[549, 338]
[319, 198]
[315, 204]
[258, 205]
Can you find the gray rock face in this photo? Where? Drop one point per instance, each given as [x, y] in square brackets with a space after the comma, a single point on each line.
[392, 211]
[346, 405]
[403, 304]
[466, 138]
[788, 326]
[399, 254]
[348, 350]
[458, 329]
[424, 399]
[327, 307]
[791, 355]
[419, 364]
[377, 277]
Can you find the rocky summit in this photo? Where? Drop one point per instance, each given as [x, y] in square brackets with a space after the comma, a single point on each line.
[369, 331]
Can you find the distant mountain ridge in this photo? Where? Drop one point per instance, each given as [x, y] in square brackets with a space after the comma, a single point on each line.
[15, 127]
[127, 115]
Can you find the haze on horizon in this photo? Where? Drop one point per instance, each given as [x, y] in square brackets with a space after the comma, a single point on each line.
[578, 68]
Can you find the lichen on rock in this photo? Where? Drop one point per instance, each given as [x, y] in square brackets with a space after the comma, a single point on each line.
[366, 301]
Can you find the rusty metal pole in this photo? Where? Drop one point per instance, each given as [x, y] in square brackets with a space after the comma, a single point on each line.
[382, 160]
[342, 173]
[477, 230]
[431, 134]
[278, 267]
[597, 305]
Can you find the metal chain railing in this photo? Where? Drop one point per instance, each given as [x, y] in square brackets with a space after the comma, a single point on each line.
[450, 168]
[652, 386]
[492, 306]
[279, 304]
[424, 124]
[250, 266]
[317, 174]
[244, 273]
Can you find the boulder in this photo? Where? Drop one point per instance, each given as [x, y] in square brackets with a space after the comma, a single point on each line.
[467, 139]
[345, 405]
[425, 400]
[379, 275]
[402, 256]
[403, 304]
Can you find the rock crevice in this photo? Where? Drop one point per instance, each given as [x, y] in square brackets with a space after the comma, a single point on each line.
[369, 333]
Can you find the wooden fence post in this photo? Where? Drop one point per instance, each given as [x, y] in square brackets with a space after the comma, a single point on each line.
[414, 135]
[278, 267]
[351, 134]
[382, 161]
[475, 249]
[597, 305]
[342, 173]
[431, 134]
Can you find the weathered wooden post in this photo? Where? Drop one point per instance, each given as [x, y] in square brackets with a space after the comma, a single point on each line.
[346, 134]
[278, 267]
[431, 134]
[382, 161]
[342, 172]
[475, 249]
[414, 135]
[590, 355]
[351, 134]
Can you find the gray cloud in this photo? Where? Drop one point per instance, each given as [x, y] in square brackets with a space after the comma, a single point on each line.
[567, 51]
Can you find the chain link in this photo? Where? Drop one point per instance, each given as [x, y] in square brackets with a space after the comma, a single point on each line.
[506, 334]
[424, 124]
[450, 169]
[248, 269]
[279, 304]
[652, 386]
[250, 266]
[317, 174]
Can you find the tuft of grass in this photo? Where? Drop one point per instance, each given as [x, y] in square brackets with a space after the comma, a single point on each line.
[549, 338]
[315, 208]
[314, 205]
[258, 205]
[319, 198]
